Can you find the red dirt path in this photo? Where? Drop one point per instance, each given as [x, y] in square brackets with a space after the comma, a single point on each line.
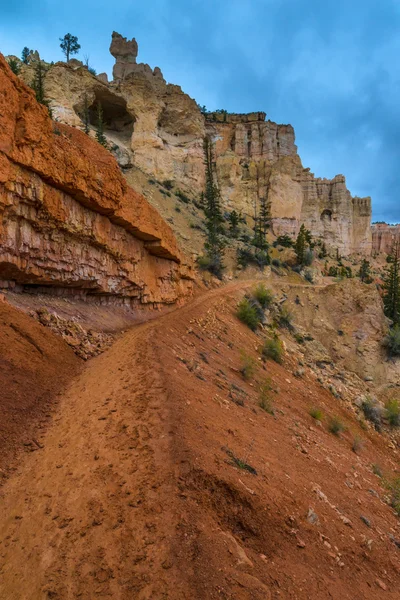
[134, 494]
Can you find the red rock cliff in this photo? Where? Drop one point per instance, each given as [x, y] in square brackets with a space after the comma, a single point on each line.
[68, 218]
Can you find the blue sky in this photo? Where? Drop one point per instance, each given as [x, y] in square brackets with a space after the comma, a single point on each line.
[331, 68]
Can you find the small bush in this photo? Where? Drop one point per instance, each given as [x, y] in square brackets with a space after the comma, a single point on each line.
[392, 341]
[265, 396]
[152, 181]
[376, 469]
[214, 266]
[332, 271]
[372, 413]
[248, 314]
[336, 426]
[393, 413]
[283, 240]
[168, 184]
[182, 197]
[394, 487]
[285, 317]
[308, 258]
[248, 366]
[263, 296]
[316, 413]
[273, 349]
[241, 464]
[296, 269]
[177, 209]
[276, 262]
[357, 444]
[308, 276]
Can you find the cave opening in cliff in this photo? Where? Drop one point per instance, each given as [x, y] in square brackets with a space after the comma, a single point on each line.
[326, 216]
[116, 117]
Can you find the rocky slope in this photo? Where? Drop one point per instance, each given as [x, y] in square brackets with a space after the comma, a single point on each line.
[160, 129]
[68, 220]
[384, 237]
[162, 477]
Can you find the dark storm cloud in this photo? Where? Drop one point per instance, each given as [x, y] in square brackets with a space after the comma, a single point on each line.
[331, 69]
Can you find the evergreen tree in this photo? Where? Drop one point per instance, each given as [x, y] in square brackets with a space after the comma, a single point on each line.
[38, 85]
[69, 45]
[14, 66]
[300, 246]
[391, 286]
[214, 244]
[86, 114]
[265, 216]
[365, 270]
[234, 220]
[24, 55]
[100, 137]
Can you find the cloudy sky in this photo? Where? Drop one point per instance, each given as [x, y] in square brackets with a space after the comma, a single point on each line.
[331, 68]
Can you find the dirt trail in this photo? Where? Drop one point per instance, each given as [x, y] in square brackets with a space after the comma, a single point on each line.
[133, 494]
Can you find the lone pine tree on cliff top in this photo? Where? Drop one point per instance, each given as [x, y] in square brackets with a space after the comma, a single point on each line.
[69, 45]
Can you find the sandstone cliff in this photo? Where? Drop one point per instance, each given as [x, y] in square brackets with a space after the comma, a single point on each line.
[159, 129]
[68, 220]
[258, 159]
[384, 237]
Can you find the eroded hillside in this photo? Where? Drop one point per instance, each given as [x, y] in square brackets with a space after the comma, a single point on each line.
[174, 482]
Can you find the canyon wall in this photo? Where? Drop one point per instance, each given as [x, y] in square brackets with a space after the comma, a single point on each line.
[384, 237]
[258, 159]
[68, 220]
[159, 129]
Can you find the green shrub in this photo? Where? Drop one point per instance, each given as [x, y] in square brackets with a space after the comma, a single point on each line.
[248, 314]
[392, 341]
[283, 240]
[276, 262]
[316, 413]
[336, 426]
[332, 271]
[263, 295]
[248, 366]
[265, 396]
[182, 197]
[308, 258]
[393, 412]
[273, 349]
[14, 66]
[168, 184]
[285, 317]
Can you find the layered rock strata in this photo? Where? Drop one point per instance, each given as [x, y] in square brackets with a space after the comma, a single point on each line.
[258, 159]
[384, 237]
[68, 220]
[159, 129]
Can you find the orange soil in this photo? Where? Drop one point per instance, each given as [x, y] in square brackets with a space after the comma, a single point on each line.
[134, 494]
[34, 366]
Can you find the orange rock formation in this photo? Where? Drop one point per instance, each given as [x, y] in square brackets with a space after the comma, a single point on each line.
[68, 218]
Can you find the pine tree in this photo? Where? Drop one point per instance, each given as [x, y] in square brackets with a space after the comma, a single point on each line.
[24, 55]
[365, 270]
[234, 220]
[86, 114]
[100, 137]
[38, 85]
[214, 244]
[300, 245]
[14, 66]
[69, 45]
[38, 82]
[391, 286]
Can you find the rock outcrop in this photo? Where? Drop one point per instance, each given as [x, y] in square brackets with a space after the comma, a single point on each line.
[68, 220]
[258, 159]
[384, 237]
[159, 129]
